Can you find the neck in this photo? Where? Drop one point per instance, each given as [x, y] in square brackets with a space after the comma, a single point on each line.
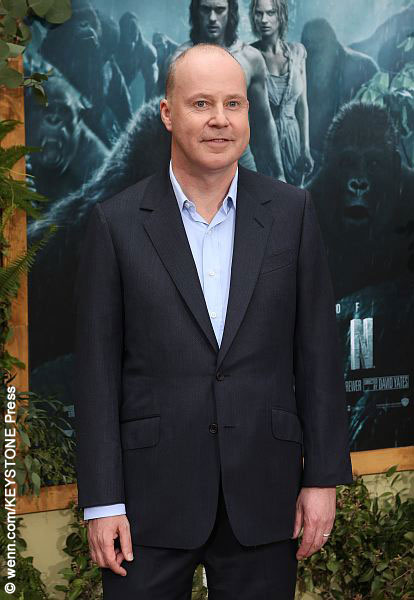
[271, 43]
[207, 188]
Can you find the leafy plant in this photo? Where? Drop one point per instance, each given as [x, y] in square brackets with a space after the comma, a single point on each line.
[396, 94]
[14, 195]
[15, 34]
[28, 581]
[46, 453]
[370, 554]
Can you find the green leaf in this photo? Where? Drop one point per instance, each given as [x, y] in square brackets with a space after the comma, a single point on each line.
[376, 584]
[40, 7]
[409, 536]
[4, 50]
[24, 437]
[367, 576]
[332, 566]
[391, 471]
[10, 25]
[16, 49]
[17, 8]
[60, 12]
[10, 77]
[35, 479]
[382, 565]
[24, 32]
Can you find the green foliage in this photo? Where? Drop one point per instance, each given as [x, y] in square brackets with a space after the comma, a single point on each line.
[28, 582]
[83, 578]
[14, 195]
[396, 93]
[15, 35]
[370, 554]
[46, 452]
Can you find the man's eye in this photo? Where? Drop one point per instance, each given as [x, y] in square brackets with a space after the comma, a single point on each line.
[199, 102]
[234, 103]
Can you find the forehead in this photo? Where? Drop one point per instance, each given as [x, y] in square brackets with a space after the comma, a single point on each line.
[210, 74]
[265, 5]
[213, 4]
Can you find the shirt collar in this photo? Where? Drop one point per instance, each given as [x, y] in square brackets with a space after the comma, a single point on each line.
[181, 197]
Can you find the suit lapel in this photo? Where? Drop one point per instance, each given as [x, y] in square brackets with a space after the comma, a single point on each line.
[168, 235]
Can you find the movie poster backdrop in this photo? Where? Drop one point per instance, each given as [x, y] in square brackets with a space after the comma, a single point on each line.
[343, 109]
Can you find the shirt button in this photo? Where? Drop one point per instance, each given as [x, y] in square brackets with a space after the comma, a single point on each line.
[213, 428]
[213, 315]
[220, 376]
[211, 273]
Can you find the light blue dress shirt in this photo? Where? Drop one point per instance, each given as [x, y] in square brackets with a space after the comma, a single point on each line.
[212, 248]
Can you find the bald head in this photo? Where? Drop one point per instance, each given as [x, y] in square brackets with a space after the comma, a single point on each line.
[195, 51]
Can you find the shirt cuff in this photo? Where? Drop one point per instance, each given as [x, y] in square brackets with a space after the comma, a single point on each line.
[108, 510]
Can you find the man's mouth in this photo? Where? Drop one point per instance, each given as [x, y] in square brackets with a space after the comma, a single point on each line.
[218, 140]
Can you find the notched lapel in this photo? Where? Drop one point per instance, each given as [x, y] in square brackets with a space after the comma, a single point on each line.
[252, 227]
[167, 233]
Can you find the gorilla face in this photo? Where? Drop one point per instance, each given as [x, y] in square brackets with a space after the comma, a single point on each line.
[86, 28]
[361, 172]
[364, 191]
[53, 128]
[363, 175]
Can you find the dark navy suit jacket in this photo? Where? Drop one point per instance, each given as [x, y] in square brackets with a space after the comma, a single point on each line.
[162, 412]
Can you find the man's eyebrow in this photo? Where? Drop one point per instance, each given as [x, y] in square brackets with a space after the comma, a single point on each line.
[205, 95]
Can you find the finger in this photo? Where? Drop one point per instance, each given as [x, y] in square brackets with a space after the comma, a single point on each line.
[298, 521]
[309, 532]
[100, 559]
[109, 555]
[125, 539]
[317, 542]
[120, 557]
[327, 529]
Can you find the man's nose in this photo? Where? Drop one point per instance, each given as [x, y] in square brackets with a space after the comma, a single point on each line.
[219, 117]
[213, 16]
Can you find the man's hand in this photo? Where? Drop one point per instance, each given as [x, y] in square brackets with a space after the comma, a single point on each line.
[101, 535]
[315, 510]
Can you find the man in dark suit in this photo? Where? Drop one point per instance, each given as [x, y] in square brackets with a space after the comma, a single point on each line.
[208, 363]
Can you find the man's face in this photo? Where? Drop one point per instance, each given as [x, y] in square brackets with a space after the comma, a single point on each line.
[213, 15]
[209, 103]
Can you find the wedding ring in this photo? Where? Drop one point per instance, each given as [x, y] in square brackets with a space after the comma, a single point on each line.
[326, 534]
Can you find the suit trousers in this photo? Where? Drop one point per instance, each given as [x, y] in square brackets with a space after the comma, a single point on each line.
[233, 571]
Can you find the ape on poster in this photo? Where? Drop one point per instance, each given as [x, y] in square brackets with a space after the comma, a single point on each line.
[338, 120]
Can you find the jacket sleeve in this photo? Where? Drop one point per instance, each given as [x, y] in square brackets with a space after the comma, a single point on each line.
[319, 379]
[98, 367]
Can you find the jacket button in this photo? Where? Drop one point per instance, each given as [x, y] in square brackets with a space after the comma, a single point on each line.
[213, 428]
[219, 376]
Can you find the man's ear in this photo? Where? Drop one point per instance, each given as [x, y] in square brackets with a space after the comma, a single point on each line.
[165, 114]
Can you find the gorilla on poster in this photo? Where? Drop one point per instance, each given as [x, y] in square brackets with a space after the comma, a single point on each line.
[331, 109]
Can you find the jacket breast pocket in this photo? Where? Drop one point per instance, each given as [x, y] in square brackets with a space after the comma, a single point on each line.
[281, 258]
[286, 425]
[140, 433]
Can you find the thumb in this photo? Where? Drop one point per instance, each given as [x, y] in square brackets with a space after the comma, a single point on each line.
[125, 540]
[298, 520]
